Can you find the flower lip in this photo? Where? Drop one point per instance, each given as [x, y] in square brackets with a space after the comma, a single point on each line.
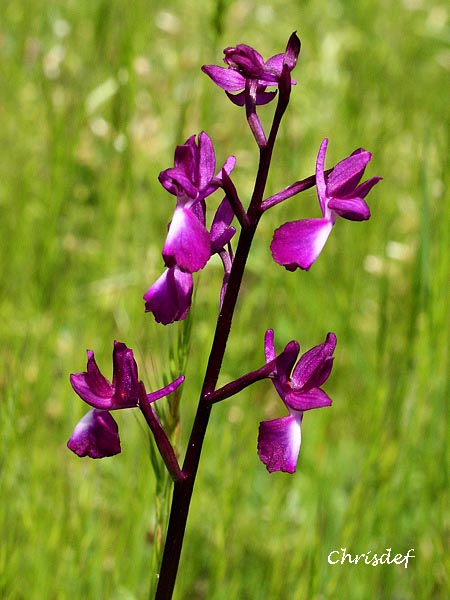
[169, 298]
[96, 435]
[188, 243]
[299, 243]
[279, 443]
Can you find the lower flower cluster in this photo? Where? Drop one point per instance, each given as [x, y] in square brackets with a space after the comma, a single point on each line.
[297, 382]
[97, 434]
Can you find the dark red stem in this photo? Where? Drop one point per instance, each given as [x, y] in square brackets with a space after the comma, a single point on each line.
[183, 488]
[162, 441]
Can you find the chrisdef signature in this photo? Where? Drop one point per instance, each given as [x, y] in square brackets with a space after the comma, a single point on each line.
[340, 557]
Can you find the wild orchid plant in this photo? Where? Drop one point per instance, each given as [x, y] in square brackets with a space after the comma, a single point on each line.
[187, 249]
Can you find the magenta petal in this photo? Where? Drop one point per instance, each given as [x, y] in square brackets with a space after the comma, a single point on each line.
[279, 443]
[292, 51]
[96, 435]
[207, 160]
[125, 377]
[221, 232]
[176, 182]
[314, 367]
[353, 209]
[188, 243]
[166, 390]
[263, 97]
[228, 79]
[320, 177]
[245, 59]
[186, 160]
[270, 354]
[91, 386]
[185, 156]
[269, 346]
[275, 64]
[220, 242]
[285, 363]
[346, 174]
[314, 398]
[217, 180]
[364, 188]
[299, 243]
[237, 99]
[228, 166]
[169, 298]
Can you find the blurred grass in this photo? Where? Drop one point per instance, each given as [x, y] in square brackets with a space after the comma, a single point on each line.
[94, 98]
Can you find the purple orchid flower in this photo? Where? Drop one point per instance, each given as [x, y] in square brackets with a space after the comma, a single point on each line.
[169, 298]
[247, 67]
[97, 435]
[191, 180]
[299, 388]
[299, 243]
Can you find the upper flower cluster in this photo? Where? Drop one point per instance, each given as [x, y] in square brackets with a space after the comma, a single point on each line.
[247, 70]
[247, 77]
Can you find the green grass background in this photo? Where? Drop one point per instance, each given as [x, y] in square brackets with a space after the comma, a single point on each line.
[94, 98]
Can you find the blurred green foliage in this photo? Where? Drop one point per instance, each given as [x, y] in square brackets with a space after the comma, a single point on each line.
[94, 98]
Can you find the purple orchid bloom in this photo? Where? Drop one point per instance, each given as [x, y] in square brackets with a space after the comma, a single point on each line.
[97, 435]
[299, 243]
[299, 388]
[169, 298]
[191, 180]
[247, 67]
